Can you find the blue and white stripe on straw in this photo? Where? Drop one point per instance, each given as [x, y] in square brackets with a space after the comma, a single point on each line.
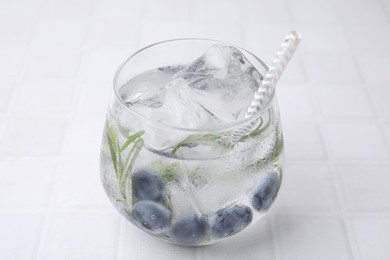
[267, 85]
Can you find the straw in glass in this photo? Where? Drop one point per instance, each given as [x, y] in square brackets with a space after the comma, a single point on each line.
[267, 85]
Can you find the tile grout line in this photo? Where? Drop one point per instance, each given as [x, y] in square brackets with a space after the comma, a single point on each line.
[66, 136]
[19, 78]
[241, 24]
[119, 244]
[379, 120]
[344, 216]
[191, 19]
[275, 237]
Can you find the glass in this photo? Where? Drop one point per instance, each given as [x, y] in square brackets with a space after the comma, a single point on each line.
[183, 184]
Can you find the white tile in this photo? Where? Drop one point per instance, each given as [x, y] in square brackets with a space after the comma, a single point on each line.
[294, 72]
[112, 31]
[25, 183]
[121, 10]
[366, 187]
[19, 236]
[362, 141]
[381, 99]
[6, 89]
[67, 10]
[303, 141]
[312, 238]
[303, 186]
[79, 185]
[373, 237]
[331, 68]
[256, 242]
[264, 12]
[11, 59]
[85, 136]
[16, 29]
[323, 38]
[344, 102]
[362, 1]
[229, 32]
[337, 85]
[169, 11]
[32, 136]
[54, 60]
[361, 13]
[153, 32]
[94, 98]
[61, 31]
[387, 130]
[101, 63]
[313, 13]
[136, 244]
[50, 96]
[264, 40]
[80, 235]
[217, 11]
[375, 68]
[20, 8]
[294, 102]
[368, 39]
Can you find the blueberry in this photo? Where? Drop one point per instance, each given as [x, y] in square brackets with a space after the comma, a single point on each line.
[231, 220]
[151, 216]
[266, 191]
[147, 186]
[190, 231]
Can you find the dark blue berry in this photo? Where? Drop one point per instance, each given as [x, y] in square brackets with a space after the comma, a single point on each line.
[190, 231]
[147, 186]
[266, 191]
[151, 216]
[231, 220]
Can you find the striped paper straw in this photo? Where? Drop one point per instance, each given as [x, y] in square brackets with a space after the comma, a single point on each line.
[267, 85]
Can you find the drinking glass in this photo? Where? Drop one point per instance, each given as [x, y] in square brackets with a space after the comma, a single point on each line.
[185, 185]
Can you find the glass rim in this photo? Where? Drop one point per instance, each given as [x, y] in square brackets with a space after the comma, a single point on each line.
[222, 127]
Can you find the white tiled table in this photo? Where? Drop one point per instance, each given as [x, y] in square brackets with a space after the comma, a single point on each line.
[57, 59]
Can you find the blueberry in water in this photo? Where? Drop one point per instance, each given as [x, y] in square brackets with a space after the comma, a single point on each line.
[190, 231]
[266, 191]
[231, 220]
[147, 186]
[151, 216]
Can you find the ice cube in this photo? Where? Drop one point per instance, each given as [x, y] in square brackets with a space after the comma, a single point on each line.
[176, 108]
[226, 78]
[213, 90]
[221, 66]
[146, 89]
[180, 109]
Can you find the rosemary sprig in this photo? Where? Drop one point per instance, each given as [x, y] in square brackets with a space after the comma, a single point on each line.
[122, 168]
[194, 140]
[114, 149]
[130, 140]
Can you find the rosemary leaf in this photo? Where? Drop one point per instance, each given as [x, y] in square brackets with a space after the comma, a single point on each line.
[130, 140]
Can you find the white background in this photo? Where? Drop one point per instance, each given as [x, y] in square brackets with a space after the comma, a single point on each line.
[57, 60]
